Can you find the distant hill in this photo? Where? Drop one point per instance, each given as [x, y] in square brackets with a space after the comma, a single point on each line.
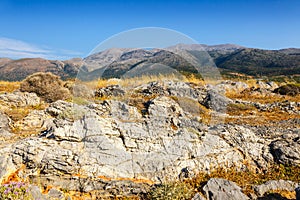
[257, 62]
[181, 58]
[16, 70]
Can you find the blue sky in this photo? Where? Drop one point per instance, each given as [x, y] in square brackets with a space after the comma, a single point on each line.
[60, 29]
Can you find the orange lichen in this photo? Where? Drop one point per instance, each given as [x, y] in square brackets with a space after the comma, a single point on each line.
[14, 176]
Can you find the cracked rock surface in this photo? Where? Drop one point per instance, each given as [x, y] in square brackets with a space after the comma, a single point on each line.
[108, 145]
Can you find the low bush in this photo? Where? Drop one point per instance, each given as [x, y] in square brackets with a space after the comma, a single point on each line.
[289, 89]
[47, 86]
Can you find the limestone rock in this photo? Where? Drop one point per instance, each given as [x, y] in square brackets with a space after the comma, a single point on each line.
[215, 101]
[172, 88]
[286, 151]
[82, 91]
[6, 165]
[20, 99]
[122, 111]
[267, 85]
[110, 91]
[221, 189]
[33, 123]
[152, 88]
[275, 185]
[198, 197]
[182, 89]
[4, 127]
[58, 107]
[36, 192]
[55, 194]
[232, 86]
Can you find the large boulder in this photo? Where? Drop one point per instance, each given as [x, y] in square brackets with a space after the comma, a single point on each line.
[221, 189]
[275, 185]
[286, 150]
[216, 101]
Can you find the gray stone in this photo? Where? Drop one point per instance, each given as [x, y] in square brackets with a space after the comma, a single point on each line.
[110, 91]
[55, 194]
[161, 144]
[182, 89]
[172, 88]
[6, 165]
[152, 88]
[82, 91]
[297, 190]
[122, 111]
[286, 151]
[112, 140]
[198, 197]
[20, 99]
[230, 86]
[33, 123]
[221, 189]
[4, 127]
[267, 85]
[215, 101]
[36, 193]
[58, 107]
[275, 185]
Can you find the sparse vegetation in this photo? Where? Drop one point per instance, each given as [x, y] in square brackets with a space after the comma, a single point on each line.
[15, 191]
[172, 191]
[6, 86]
[248, 178]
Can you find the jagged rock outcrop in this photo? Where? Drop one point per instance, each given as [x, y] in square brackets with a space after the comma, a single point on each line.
[111, 146]
[172, 88]
[110, 91]
[19, 99]
[125, 144]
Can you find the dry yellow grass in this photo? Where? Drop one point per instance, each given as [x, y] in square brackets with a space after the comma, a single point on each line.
[248, 178]
[257, 97]
[243, 114]
[136, 81]
[6, 86]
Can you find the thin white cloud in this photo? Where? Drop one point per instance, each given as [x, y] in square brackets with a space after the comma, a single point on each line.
[15, 49]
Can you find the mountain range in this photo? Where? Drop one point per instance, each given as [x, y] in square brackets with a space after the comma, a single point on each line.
[181, 58]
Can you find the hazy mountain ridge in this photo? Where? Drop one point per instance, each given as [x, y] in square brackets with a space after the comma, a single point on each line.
[15, 70]
[117, 62]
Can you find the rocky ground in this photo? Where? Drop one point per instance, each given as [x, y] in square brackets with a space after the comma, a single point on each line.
[122, 141]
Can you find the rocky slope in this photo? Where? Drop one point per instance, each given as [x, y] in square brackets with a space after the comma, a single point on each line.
[148, 134]
[16, 70]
